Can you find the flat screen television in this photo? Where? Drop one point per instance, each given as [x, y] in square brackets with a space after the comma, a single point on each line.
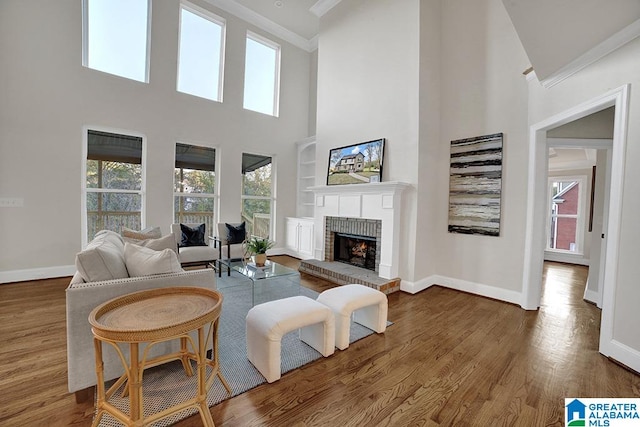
[356, 164]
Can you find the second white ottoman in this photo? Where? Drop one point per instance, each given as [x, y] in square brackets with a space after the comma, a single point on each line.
[268, 322]
[369, 308]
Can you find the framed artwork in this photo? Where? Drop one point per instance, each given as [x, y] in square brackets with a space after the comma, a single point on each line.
[356, 163]
[475, 185]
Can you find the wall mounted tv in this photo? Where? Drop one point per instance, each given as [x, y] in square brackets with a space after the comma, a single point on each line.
[356, 164]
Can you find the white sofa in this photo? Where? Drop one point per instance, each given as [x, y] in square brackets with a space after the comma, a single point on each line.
[103, 264]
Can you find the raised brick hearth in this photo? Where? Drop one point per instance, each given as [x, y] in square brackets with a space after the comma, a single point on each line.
[344, 274]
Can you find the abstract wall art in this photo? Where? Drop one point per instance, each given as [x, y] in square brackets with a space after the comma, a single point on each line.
[475, 185]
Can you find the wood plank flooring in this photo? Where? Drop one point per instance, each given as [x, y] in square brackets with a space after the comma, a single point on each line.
[450, 359]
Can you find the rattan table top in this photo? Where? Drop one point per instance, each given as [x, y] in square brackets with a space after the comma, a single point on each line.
[155, 314]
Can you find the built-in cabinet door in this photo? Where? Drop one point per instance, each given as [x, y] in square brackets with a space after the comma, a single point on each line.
[305, 239]
[299, 239]
[292, 234]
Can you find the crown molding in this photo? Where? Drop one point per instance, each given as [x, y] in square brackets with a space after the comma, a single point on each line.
[264, 24]
[614, 42]
[323, 6]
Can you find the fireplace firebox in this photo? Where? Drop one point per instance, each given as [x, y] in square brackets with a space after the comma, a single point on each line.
[355, 250]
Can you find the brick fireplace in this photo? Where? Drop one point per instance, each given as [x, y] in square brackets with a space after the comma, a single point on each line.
[357, 231]
[358, 210]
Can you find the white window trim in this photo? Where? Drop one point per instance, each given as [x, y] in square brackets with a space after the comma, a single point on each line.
[143, 184]
[209, 16]
[276, 87]
[85, 42]
[580, 224]
[272, 198]
[215, 195]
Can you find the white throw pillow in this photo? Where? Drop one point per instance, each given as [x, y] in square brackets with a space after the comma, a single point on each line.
[147, 233]
[166, 242]
[143, 261]
[103, 258]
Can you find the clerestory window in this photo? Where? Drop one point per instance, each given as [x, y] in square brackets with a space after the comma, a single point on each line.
[116, 37]
[261, 75]
[201, 52]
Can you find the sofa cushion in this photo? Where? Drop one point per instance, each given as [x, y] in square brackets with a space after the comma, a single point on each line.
[143, 261]
[166, 242]
[147, 233]
[192, 236]
[103, 258]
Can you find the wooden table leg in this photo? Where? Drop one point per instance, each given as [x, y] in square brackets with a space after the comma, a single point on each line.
[135, 385]
[97, 345]
[205, 413]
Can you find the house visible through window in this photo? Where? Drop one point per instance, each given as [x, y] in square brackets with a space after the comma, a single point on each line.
[261, 75]
[114, 184]
[257, 199]
[566, 214]
[195, 185]
[116, 37]
[201, 52]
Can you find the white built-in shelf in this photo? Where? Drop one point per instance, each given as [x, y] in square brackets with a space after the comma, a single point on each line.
[306, 177]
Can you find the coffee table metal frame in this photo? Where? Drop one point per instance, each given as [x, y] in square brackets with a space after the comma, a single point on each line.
[108, 326]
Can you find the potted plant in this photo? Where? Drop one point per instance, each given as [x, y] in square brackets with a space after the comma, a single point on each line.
[257, 246]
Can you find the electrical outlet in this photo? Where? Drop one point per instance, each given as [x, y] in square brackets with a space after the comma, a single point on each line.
[11, 202]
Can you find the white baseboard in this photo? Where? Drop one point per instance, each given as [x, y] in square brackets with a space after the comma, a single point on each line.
[622, 353]
[591, 296]
[463, 285]
[37, 273]
[566, 258]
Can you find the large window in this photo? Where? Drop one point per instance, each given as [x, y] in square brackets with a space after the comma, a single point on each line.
[195, 185]
[257, 194]
[566, 214]
[261, 75]
[114, 182]
[116, 37]
[201, 54]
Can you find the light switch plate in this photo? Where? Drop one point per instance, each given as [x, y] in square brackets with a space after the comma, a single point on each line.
[11, 202]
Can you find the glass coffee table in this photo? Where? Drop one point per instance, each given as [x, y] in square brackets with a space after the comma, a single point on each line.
[267, 290]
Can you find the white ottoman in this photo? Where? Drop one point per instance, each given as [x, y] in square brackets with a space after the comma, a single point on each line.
[268, 322]
[368, 306]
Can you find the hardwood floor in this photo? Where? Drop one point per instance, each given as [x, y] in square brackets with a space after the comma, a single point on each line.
[449, 359]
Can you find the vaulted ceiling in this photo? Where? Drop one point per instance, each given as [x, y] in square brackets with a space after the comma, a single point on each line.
[563, 36]
[559, 36]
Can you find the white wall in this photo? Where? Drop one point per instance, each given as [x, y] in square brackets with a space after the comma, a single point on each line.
[368, 64]
[614, 70]
[483, 92]
[46, 97]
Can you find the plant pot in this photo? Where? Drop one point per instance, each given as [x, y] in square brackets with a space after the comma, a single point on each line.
[259, 259]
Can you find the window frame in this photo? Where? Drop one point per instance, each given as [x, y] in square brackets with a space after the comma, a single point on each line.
[579, 216]
[214, 195]
[216, 19]
[276, 87]
[143, 177]
[85, 43]
[271, 198]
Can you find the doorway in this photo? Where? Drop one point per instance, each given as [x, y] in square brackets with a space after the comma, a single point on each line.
[537, 195]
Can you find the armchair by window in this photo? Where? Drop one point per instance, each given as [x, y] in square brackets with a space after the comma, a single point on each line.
[200, 249]
[231, 238]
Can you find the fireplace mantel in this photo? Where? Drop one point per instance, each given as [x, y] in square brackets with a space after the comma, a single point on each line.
[376, 187]
[380, 200]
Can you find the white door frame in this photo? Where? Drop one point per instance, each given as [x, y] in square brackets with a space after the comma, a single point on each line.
[536, 208]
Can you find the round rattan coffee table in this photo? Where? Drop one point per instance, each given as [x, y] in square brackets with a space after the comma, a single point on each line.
[151, 317]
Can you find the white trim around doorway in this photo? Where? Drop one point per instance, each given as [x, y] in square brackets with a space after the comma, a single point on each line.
[536, 215]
